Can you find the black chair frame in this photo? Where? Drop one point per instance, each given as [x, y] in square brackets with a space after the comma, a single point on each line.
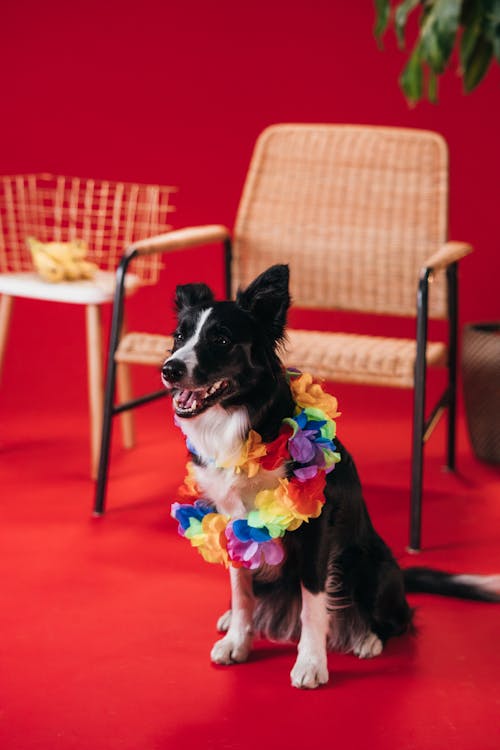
[422, 426]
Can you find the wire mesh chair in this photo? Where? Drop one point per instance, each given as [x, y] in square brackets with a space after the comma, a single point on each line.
[107, 216]
[360, 215]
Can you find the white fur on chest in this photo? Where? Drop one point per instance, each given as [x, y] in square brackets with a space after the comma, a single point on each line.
[233, 493]
[218, 437]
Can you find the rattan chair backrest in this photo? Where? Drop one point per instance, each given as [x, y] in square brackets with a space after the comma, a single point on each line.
[354, 210]
[108, 216]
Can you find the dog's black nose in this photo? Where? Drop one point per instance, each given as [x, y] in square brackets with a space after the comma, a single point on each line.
[173, 370]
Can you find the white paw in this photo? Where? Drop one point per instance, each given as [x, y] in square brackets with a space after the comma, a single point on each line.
[309, 672]
[369, 647]
[231, 649]
[224, 622]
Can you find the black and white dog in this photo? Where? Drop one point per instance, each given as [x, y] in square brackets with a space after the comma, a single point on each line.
[339, 586]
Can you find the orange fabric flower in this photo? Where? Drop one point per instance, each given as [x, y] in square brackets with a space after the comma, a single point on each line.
[307, 497]
[189, 488]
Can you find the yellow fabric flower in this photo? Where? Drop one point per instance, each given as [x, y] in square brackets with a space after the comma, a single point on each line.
[210, 539]
[277, 509]
[248, 460]
[308, 393]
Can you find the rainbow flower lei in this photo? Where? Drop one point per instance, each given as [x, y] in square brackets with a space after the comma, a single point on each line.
[305, 443]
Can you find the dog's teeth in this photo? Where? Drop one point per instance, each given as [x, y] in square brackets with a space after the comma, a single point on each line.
[190, 401]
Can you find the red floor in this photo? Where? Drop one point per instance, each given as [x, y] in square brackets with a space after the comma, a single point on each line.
[106, 625]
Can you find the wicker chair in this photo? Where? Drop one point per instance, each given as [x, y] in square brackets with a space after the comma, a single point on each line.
[360, 214]
[108, 216]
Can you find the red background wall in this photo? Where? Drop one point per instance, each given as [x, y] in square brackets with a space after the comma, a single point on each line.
[176, 93]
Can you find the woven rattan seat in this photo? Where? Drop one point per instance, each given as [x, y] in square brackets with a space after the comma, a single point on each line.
[360, 214]
[353, 358]
[143, 349]
[343, 357]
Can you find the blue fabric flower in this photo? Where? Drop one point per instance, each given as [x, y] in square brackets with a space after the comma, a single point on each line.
[184, 512]
[246, 533]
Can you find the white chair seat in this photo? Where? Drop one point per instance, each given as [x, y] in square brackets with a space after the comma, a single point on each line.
[94, 291]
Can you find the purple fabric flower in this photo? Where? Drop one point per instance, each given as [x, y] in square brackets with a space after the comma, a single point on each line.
[306, 472]
[249, 552]
[308, 447]
[301, 446]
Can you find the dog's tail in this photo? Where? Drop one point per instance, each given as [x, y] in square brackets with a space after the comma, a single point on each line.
[461, 586]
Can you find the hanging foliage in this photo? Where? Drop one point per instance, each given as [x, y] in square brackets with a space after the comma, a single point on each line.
[470, 26]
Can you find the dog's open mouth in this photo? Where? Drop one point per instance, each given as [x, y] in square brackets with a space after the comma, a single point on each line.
[189, 403]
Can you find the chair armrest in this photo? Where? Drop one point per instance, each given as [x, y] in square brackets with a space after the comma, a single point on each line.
[447, 254]
[179, 239]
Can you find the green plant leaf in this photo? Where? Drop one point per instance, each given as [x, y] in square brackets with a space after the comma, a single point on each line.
[491, 25]
[401, 17]
[478, 64]
[432, 87]
[438, 33]
[472, 30]
[470, 9]
[382, 10]
[496, 47]
[412, 77]
[440, 22]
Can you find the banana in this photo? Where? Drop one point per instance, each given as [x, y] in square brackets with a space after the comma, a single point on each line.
[59, 261]
[87, 269]
[47, 267]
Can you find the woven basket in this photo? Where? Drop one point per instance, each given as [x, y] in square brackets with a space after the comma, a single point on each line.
[481, 383]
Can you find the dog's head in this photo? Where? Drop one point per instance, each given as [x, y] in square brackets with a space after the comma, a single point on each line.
[224, 350]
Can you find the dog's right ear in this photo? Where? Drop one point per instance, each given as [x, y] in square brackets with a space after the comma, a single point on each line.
[191, 295]
[267, 298]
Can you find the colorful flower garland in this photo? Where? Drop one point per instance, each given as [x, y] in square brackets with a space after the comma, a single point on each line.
[305, 442]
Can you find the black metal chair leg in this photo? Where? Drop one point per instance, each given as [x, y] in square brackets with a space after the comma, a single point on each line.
[419, 414]
[116, 327]
[451, 436]
[452, 279]
[417, 468]
[228, 260]
[102, 475]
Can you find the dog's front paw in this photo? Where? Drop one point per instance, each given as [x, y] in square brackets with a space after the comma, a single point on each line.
[231, 650]
[224, 622]
[309, 672]
[369, 647]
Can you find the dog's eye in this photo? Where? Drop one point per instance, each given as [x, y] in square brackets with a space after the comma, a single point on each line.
[179, 337]
[222, 341]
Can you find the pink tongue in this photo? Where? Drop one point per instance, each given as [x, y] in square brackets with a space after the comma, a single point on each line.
[186, 398]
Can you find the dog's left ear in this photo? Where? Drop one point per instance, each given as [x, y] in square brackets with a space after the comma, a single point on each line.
[267, 298]
[189, 295]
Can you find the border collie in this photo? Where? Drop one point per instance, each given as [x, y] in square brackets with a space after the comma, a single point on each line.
[338, 586]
